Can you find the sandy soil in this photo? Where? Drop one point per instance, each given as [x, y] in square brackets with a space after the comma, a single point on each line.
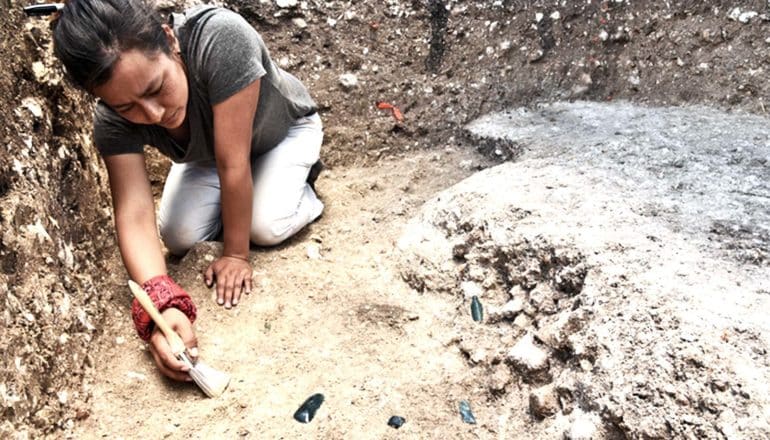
[344, 325]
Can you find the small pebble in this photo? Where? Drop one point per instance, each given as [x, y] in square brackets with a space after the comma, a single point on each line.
[348, 81]
[396, 421]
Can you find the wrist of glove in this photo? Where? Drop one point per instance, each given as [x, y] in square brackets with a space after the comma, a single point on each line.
[165, 294]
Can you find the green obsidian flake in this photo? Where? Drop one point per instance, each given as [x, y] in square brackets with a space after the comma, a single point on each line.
[477, 310]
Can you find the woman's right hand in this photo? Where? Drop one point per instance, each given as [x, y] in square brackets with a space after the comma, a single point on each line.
[168, 364]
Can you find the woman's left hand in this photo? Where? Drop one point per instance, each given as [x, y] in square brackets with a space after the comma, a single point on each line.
[233, 277]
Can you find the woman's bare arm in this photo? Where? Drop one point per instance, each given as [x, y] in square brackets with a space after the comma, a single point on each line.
[233, 119]
[134, 210]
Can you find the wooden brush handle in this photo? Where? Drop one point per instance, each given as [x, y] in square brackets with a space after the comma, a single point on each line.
[176, 343]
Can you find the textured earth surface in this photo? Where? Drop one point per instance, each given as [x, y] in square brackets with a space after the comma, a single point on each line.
[65, 342]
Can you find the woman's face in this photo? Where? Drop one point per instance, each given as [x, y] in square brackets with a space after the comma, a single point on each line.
[148, 89]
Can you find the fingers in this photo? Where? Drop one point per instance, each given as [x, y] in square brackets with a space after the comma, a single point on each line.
[208, 276]
[167, 363]
[233, 278]
[230, 290]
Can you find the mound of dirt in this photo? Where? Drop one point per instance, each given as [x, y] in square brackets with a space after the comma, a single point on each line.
[611, 319]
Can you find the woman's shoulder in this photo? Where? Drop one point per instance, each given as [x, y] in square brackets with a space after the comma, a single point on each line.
[208, 17]
[112, 133]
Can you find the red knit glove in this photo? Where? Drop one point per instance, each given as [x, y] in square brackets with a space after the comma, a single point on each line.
[165, 294]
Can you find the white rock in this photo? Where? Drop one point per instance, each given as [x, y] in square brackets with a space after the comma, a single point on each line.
[741, 16]
[313, 251]
[299, 22]
[286, 3]
[135, 375]
[33, 105]
[526, 354]
[747, 16]
[38, 230]
[542, 402]
[583, 428]
[508, 311]
[555, 15]
[348, 81]
[39, 71]
[470, 289]
[331, 22]
[603, 35]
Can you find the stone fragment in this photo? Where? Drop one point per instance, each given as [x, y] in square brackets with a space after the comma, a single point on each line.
[522, 321]
[530, 360]
[33, 106]
[543, 297]
[508, 311]
[313, 251]
[470, 289]
[543, 402]
[499, 378]
[286, 3]
[348, 81]
[299, 22]
[583, 428]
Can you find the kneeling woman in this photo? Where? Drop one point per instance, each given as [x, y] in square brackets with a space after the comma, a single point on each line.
[242, 133]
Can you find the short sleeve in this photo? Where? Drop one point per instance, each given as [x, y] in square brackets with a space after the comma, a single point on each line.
[229, 55]
[113, 134]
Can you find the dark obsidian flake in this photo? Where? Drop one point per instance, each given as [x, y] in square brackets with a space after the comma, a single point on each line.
[396, 421]
[477, 310]
[306, 412]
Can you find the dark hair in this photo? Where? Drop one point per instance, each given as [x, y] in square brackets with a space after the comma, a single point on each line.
[90, 35]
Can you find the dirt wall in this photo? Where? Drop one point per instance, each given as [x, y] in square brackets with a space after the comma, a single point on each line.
[447, 62]
[53, 218]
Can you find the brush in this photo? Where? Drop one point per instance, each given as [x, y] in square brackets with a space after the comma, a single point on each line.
[211, 381]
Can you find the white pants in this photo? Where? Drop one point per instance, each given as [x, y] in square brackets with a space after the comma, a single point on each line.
[283, 202]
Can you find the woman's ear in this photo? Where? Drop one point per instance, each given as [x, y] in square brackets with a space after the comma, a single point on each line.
[173, 43]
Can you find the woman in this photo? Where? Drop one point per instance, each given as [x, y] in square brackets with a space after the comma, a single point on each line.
[243, 135]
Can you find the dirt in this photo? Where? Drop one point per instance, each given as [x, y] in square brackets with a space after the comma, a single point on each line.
[606, 289]
[345, 324]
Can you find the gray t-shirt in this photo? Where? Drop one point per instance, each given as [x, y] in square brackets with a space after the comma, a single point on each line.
[223, 54]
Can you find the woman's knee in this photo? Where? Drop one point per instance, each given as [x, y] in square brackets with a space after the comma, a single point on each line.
[265, 232]
[179, 236]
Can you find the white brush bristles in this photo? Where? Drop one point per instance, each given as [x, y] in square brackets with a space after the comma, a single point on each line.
[211, 381]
